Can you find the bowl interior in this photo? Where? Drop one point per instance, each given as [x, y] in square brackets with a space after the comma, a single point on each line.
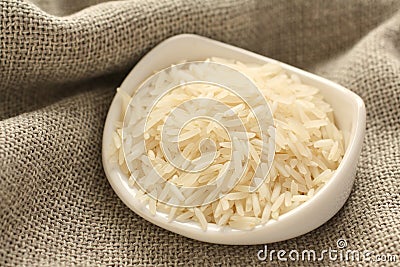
[348, 110]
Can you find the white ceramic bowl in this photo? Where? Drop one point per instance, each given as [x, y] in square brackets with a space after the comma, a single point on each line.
[349, 111]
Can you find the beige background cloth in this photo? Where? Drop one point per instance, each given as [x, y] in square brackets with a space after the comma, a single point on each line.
[58, 76]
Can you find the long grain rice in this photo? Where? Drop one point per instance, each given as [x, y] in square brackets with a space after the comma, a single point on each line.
[309, 148]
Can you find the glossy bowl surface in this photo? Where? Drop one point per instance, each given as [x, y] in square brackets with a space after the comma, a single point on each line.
[349, 112]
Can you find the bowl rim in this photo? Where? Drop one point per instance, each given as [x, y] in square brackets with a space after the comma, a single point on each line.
[186, 228]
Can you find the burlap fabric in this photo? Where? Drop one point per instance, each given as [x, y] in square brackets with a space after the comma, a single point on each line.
[59, 74]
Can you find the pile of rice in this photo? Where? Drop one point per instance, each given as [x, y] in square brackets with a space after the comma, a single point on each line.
[308, 149]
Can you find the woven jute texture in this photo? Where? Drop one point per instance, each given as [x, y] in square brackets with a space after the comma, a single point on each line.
[58, 75]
